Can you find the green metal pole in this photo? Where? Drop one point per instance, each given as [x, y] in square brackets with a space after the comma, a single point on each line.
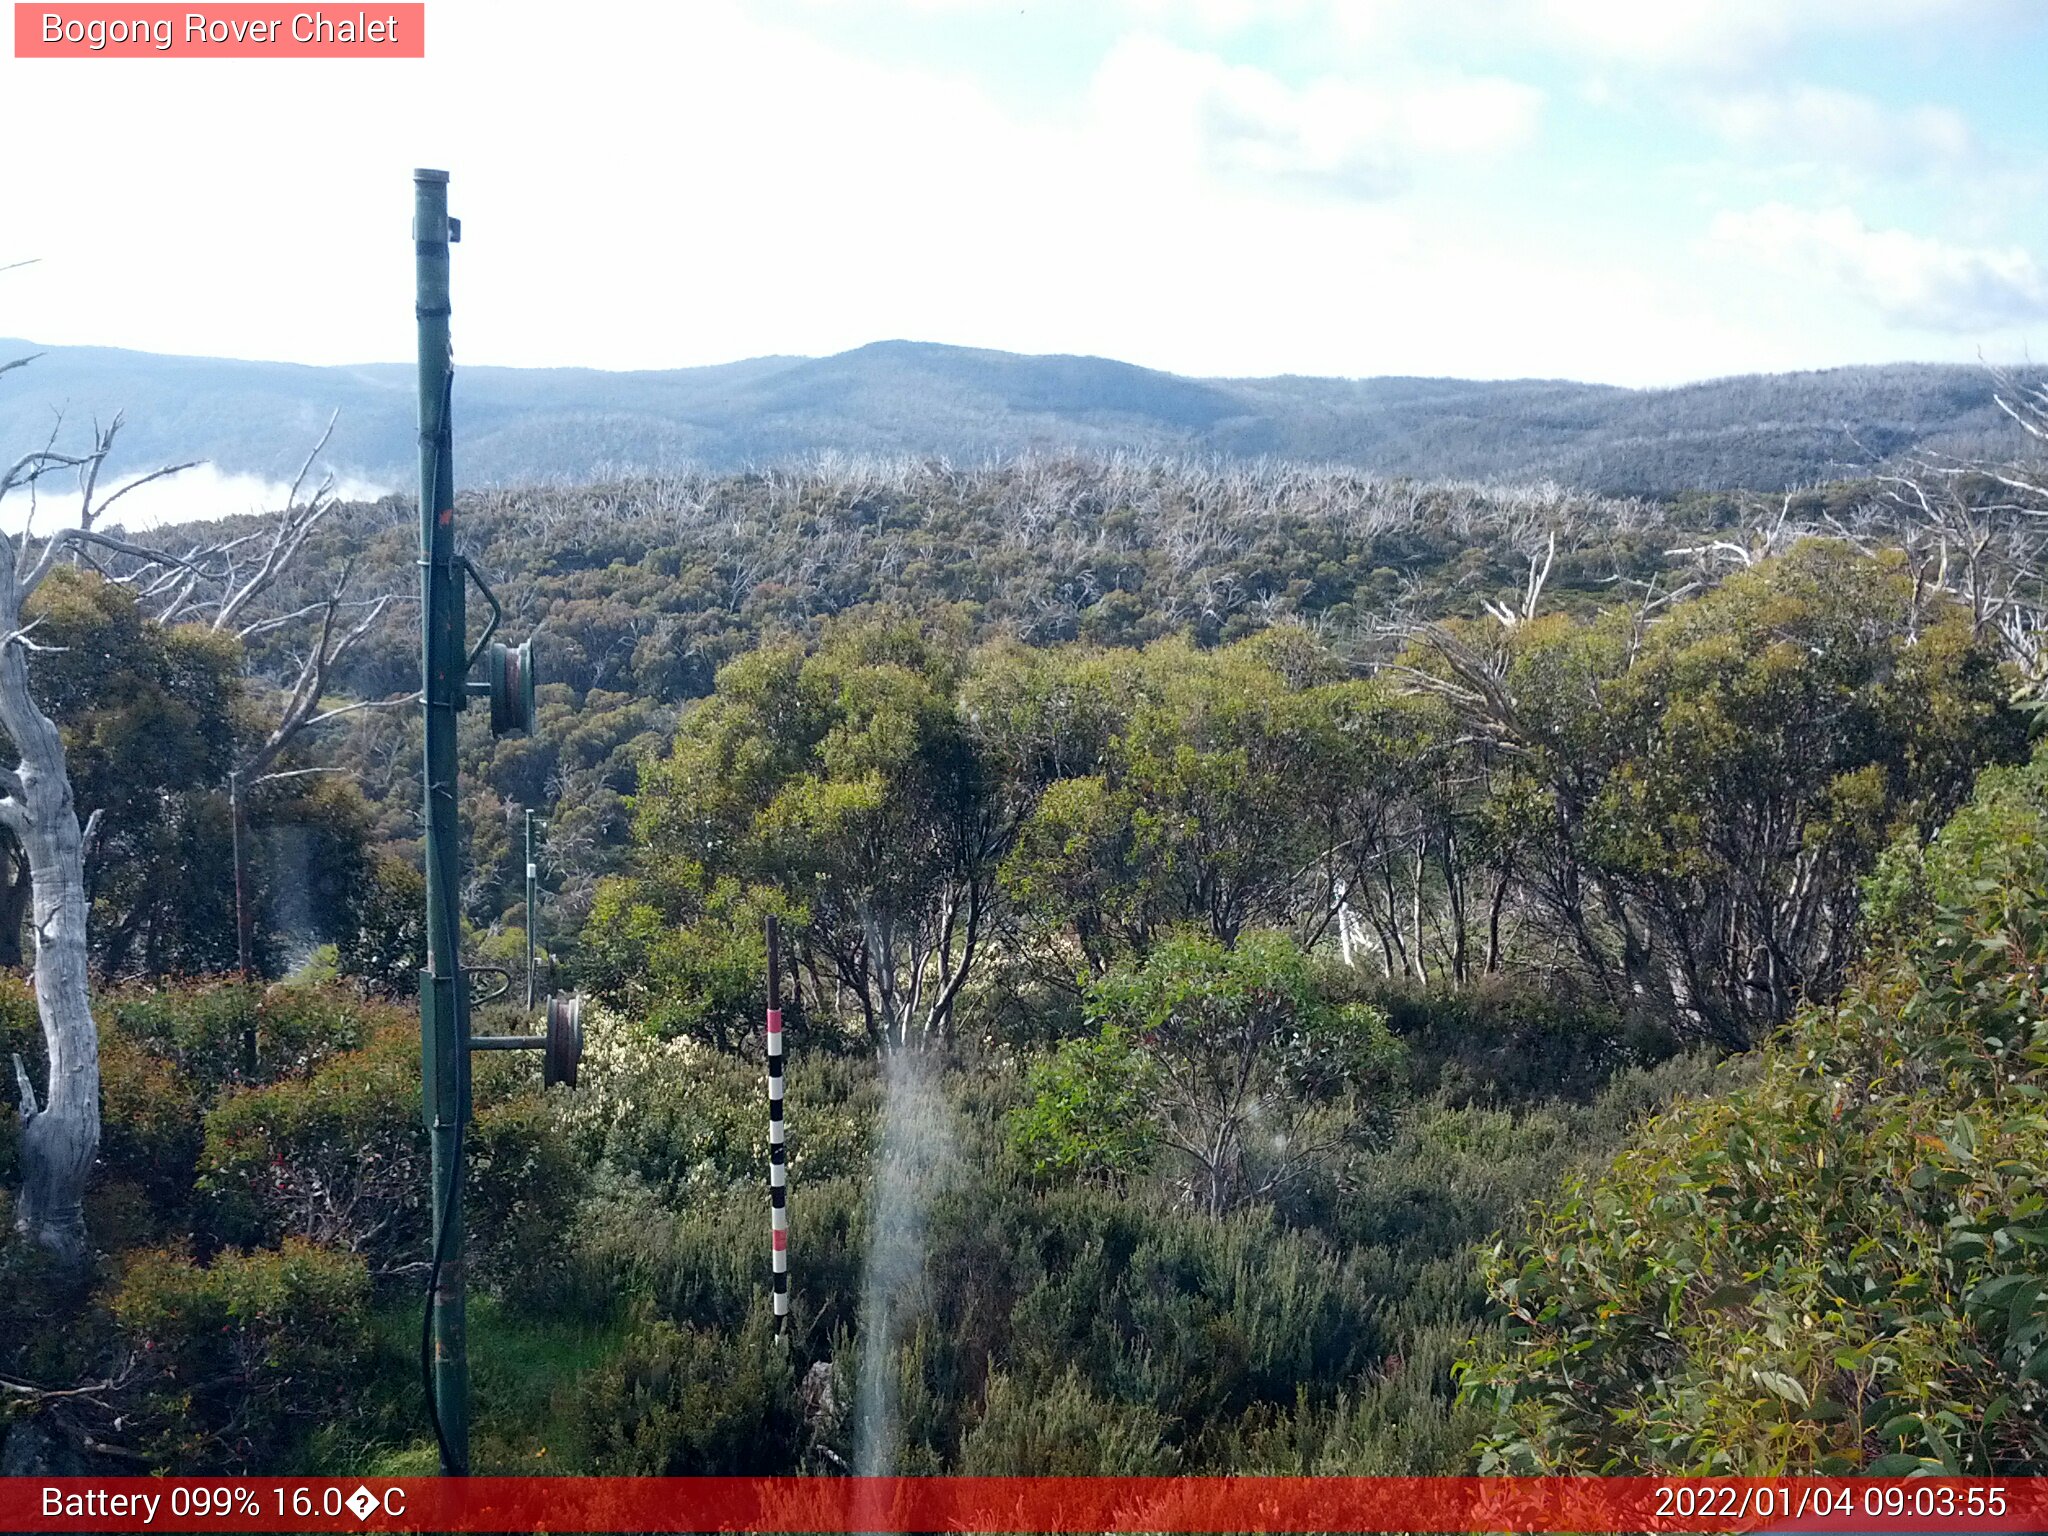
[444, 1013]
[530, 872]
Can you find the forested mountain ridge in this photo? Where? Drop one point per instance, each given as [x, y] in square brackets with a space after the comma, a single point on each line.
[901, 398]
[640, 590]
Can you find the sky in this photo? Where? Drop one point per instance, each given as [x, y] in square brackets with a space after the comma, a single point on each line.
[1613, 190]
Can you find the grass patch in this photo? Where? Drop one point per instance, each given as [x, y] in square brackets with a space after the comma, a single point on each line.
[523, 1370]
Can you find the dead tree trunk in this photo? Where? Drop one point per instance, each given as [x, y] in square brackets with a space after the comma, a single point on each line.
[60, 1134]
[60, 1129]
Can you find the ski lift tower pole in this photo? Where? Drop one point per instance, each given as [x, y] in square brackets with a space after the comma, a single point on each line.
[446, 660]
[444, 1022]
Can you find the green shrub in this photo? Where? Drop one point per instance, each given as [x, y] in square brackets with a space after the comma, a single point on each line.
[385, 940]
[1841, 1264]
[200, 1028]
[340, 1157]
[1232, 1059]
[242, 1357]
[705, 1264]
[686, 1119]
[522, 1187]
[1062, 1429]
[21, 1033]
[682, 1402]
[319, 967]
[149, 1128]
[1087, 1112]
[1507, 1041]
[1310, 1335]
[1198, 1318]
[197, 1028]
[1450, 1177]
[335, 1158]
[51, 1329]
[1398, 1419]
[300, 1024]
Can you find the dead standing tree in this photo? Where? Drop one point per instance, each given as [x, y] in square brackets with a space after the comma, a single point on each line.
[1977, 532]
[60, 1132]
[217, 585]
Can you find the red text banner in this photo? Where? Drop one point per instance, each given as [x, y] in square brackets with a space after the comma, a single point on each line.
[1081, 1504]
[225, 31]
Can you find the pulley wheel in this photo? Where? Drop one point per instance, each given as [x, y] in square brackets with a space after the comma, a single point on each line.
[565, 1040]
[511, 677]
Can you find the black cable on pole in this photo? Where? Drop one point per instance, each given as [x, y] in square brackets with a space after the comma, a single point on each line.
[445, 1196]
[441, 1226]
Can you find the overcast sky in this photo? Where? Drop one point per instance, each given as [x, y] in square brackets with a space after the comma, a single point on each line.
[1614, 190]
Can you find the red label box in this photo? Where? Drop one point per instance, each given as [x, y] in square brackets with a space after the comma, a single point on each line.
[224, 31]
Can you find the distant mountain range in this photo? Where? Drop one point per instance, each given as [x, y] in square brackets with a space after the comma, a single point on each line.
[1763, 432]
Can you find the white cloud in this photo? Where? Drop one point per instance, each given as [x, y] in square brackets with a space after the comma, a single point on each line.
[1223, 16]
[1712, 34]
[1708, 36]
[1336, 136]
[1348, 23]
[1810, 123]
[1912, 280]
[1672, 31]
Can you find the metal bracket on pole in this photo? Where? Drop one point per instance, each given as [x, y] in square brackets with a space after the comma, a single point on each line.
[561, 1042]
[497, 612]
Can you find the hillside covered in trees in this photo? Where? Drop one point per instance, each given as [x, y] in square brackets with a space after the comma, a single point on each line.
[971, 406]
[1277, 959]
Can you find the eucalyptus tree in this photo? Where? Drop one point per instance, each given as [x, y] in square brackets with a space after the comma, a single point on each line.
[1702, 794]
[839, 783]
[1255, 785]
[333, 623]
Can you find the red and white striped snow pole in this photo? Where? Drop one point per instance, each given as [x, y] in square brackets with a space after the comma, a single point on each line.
[778, 1166]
